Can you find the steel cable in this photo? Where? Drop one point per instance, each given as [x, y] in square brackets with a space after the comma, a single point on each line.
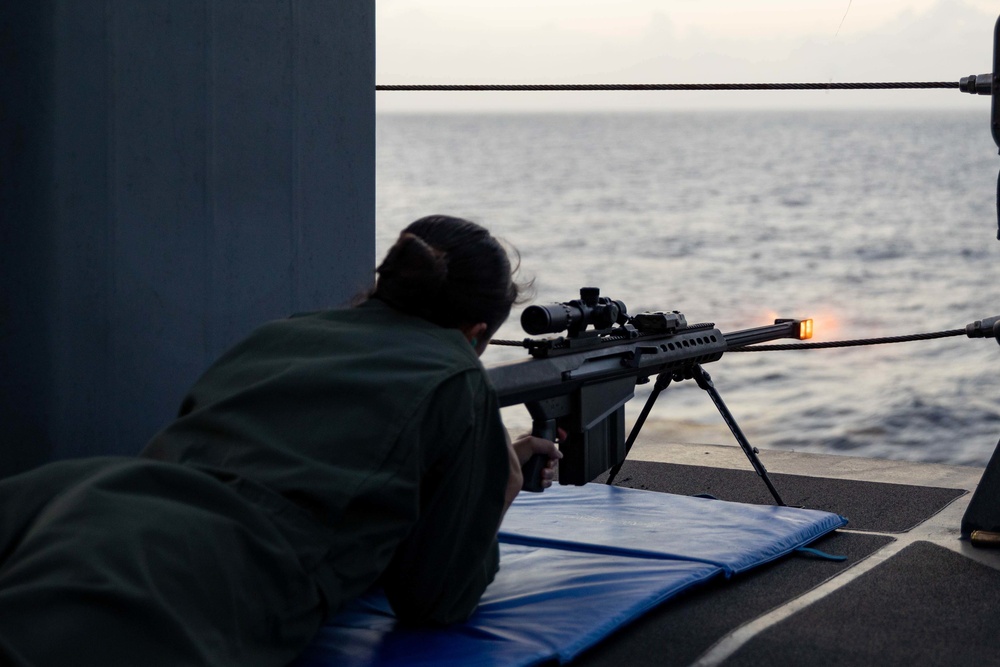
[850, 343]
[670, 86]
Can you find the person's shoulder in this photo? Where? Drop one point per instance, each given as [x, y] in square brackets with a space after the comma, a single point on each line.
[398, 333]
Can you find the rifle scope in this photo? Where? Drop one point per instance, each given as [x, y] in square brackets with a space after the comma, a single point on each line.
[575, 316]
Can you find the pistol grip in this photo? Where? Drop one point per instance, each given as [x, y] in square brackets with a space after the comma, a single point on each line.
[532, 473]
[532, 470]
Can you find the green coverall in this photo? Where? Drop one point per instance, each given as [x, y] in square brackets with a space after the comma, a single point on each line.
[321, 456]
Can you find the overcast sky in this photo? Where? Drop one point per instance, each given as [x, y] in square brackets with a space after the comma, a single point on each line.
[680, 41]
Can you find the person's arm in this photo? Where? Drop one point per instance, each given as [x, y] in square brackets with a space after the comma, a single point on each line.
[441, 569]
[473, 474]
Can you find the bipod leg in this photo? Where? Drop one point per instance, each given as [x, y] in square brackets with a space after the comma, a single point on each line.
[704, 381]
[662, 382]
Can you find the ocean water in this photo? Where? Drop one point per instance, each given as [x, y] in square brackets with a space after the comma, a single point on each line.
[874, 223]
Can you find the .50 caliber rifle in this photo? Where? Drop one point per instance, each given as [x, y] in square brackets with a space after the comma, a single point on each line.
[580, 382]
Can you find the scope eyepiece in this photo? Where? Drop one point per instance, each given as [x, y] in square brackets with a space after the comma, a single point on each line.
[574, 316]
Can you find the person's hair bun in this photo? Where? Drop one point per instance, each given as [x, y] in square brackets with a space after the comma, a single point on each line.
[411, 273]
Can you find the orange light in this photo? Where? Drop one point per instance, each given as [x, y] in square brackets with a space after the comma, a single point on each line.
[805, 329]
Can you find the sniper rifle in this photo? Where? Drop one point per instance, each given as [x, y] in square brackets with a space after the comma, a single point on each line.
[580, 382]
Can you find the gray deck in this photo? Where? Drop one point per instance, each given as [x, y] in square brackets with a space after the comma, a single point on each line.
[910, 593]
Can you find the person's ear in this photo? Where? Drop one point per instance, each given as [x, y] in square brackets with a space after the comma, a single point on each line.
[476, 335]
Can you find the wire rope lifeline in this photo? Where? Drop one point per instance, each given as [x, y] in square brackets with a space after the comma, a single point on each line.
[670, 86]
[851, 343]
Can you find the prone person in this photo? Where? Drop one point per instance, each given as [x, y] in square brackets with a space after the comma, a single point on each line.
[323, 455]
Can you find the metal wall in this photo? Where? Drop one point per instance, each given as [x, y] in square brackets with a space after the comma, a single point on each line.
[171, 175]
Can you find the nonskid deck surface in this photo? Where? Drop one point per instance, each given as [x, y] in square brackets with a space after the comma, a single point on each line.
[909, 593]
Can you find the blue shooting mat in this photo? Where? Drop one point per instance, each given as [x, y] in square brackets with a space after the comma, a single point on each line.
[646, 524]
[575, 564]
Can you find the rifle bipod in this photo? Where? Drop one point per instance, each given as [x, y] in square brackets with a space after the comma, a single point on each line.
[704, 380]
